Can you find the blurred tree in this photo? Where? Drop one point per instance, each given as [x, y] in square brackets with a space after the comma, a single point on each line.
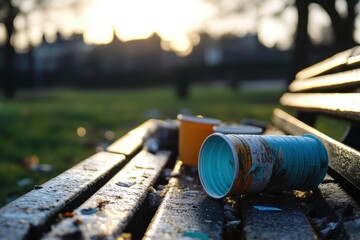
[7, 15]
[342, 21]
[9, 11]
[342, 25]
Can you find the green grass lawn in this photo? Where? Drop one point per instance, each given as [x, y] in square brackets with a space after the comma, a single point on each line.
[43, 126]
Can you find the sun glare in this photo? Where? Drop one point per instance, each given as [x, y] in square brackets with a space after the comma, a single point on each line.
[99, 25]
[133, 19]
[172, 20]
[319, 22]
[2, 34]
[178, 23]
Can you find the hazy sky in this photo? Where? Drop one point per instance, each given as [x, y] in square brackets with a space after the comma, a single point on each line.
[177, 22]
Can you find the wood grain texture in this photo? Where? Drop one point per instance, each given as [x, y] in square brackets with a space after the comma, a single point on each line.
[335, 61]
[274, 217]
[28, 216]
[336, 82]
[342, 105]
[106, 214]
[187, 211]
[346, 209]
[133, 140]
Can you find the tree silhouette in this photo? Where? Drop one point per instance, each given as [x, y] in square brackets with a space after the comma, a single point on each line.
[342, 27]
[8, 14]
[9, 10]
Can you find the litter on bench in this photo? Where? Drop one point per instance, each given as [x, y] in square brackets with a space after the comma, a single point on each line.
[238, 164]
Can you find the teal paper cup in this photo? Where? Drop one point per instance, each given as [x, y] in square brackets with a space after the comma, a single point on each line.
[238, 164]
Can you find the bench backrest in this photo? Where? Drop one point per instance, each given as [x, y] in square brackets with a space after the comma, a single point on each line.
[328, 89]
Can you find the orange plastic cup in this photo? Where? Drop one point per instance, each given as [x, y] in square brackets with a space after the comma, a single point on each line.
[193, 131]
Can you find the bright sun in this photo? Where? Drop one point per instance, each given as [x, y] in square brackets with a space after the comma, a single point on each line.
[138, 19]
[178, 23]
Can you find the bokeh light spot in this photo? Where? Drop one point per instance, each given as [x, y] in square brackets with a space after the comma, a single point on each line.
[109, 135]
[81, 131]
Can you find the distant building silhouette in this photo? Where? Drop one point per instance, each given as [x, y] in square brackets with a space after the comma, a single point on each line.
[142, 62]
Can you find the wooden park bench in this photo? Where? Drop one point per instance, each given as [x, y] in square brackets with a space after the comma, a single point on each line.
[138, 189]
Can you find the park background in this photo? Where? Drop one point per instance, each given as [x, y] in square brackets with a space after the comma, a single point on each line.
[78, 74]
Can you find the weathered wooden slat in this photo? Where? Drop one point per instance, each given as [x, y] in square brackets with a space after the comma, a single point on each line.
[342, 159]
[338, 81]
[326, 65]
[274, 217]
[187, 211]
[133, 140]
[343, 105]
[351, 136]
[29, 215]
[355, 56]
[107, 213]
[346, 209]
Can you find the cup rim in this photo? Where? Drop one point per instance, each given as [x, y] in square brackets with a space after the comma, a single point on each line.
[236, 166]
[237, 129]
[198, 119]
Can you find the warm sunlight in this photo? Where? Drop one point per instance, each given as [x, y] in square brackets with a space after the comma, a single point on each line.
[276, 29]
[319, 24]
[2, 34]
[99, 24]
[133, 20]
[176, 22]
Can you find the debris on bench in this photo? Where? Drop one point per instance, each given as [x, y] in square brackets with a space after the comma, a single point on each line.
[187, 211]
[130, 191]
[328, 91]
[153, 135]
[268, 216]
[339, 213]
[32, 213]
[110, 210]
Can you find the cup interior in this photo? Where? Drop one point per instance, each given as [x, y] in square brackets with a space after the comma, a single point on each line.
[218, 165]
